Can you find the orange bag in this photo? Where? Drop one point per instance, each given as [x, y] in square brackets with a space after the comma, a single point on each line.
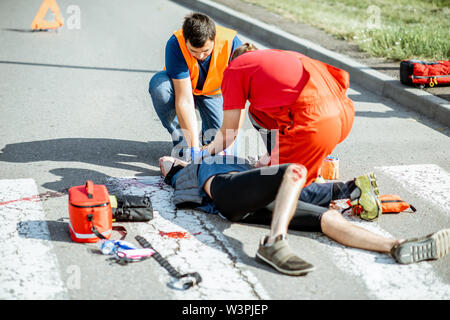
[392, 203]
[90, 213]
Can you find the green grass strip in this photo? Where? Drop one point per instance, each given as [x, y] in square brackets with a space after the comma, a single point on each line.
[393, 29]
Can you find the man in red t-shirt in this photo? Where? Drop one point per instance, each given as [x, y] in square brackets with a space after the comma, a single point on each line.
[303, 99]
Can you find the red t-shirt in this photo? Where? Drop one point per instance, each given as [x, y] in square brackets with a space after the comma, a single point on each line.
[267, 78]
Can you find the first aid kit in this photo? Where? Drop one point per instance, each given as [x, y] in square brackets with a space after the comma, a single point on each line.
[90, 213]
[423, 73]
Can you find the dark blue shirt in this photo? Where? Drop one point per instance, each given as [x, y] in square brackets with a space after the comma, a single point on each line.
[177, 67]
[213, 166]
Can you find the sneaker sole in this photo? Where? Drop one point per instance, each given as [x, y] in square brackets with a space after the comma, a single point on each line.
[374, 193]
[262, 259]
[432, 247]
[373, 182]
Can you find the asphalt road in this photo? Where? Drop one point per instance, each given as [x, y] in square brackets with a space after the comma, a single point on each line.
[75, 105]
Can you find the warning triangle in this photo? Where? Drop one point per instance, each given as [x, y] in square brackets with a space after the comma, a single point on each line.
[40, 23]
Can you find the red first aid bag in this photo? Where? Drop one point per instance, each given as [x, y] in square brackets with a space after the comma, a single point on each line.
[90, 213]
[422, 73]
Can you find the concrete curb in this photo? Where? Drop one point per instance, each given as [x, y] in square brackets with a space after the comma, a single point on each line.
[416, 99]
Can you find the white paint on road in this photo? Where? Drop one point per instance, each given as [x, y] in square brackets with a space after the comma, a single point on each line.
[428, 181]
[223, 276]
[385, 279]
[205, 251]
[29, 268]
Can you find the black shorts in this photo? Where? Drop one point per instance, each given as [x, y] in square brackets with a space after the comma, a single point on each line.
[245, 197]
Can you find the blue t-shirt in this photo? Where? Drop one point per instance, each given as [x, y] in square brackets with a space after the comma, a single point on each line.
[215, 165]
[177, 67]
[212, 166]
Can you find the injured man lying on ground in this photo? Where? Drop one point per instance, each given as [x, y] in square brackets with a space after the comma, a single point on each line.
[276, 196]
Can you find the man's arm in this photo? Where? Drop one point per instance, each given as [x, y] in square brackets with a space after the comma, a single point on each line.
[185, 109]
[178, 71]
[232, 122]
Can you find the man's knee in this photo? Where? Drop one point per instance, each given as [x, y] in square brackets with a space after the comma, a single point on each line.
[331, 217]
[296, 172]
[160, 86]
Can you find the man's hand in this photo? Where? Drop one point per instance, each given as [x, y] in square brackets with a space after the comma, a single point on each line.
[225, 137]
[197, 154]
[263, 161]
[226, 152]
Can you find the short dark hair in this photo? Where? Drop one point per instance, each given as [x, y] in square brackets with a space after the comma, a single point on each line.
[198, 28]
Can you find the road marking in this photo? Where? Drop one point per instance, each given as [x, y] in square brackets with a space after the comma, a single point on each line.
[29, 268]
[28, 251]
[427, 181]
[208, 252]
[385, 279]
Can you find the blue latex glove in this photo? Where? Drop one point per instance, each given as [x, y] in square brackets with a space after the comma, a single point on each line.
[198, 155]
[228, 151]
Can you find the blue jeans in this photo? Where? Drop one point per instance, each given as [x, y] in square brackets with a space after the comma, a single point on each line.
[321, 194]
[163, 97]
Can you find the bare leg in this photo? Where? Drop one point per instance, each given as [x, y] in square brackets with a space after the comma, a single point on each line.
[335, 226]
[286, 200]
[431, 247]
[274, 249]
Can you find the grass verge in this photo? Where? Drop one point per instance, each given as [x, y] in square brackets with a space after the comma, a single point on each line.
[393, 29]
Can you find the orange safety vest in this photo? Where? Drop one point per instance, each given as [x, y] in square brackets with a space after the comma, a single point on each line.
[219, 61]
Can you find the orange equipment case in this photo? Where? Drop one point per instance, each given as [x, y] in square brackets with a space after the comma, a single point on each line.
[90, 213]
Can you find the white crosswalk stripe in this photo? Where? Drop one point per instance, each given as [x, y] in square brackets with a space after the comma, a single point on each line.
[30, 269]
[427, 181]
[207, 252]
[384, 278]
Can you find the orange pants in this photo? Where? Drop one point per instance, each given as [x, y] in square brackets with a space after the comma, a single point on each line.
[320, 119]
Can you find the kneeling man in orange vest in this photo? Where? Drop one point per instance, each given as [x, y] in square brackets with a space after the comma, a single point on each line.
[195, 58]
